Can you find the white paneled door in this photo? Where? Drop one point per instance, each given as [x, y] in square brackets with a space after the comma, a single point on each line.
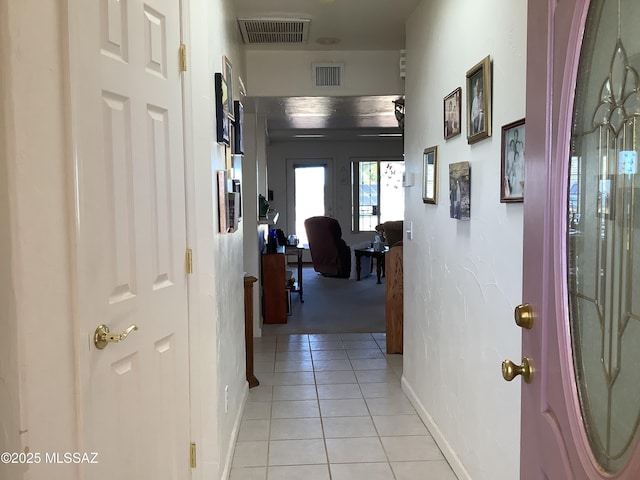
[131, 237]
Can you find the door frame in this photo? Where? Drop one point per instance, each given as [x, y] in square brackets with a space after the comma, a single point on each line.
[193, 315]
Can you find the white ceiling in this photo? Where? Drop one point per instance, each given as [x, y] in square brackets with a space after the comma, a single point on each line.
[357, 24]
[352, 25]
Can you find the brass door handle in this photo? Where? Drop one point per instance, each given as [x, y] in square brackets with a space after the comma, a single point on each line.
[524, 316]
[102, 336]
[510, 370]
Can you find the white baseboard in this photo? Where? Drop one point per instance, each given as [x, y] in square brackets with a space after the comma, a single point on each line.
[228, 460]
[448, 452]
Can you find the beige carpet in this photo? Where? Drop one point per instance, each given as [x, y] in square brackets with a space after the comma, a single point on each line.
[334, 305]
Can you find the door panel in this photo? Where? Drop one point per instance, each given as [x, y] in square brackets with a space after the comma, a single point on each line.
[294, 224]
[131, 236]
[555, 443]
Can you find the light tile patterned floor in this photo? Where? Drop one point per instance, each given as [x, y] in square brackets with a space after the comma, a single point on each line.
[330, 407]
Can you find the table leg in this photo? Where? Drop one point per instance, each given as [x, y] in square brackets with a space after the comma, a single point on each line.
[358, 266]
[378, 267]
[300, 275]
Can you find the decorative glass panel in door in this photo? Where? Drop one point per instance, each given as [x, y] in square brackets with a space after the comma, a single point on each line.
[603, 227]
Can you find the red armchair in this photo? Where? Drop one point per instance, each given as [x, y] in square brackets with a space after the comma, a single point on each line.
[330, 255]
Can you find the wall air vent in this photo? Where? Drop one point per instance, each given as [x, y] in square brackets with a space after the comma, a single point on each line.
[274, 30]
[328, 74]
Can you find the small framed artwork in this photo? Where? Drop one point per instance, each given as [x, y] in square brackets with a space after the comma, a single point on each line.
[227, 74]
[223, 210]
[222, 119]
[512, 162]
[233, 211]
[452, 113]
[460, 191]
[430, 175]
[238, 139]
[237, 189]
[479, 101]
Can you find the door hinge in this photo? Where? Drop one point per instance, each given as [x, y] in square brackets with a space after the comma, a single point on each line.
[189, 260]
[183, 57]
[192, 455]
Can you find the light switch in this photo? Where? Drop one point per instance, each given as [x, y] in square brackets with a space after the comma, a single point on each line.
[410, 231]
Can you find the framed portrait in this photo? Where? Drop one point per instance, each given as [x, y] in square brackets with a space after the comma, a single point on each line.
[512, 162]
[452, 114]
[227, 74]
[479, 101]
[430, 175]
[222, 119]
[460, 191]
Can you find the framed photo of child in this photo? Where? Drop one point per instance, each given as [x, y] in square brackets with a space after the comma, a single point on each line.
[479, 101]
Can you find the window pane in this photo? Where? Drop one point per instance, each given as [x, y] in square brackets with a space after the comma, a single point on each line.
[391, 191]
[367, 195]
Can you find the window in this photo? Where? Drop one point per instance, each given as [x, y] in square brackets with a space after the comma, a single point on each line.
[378, 195]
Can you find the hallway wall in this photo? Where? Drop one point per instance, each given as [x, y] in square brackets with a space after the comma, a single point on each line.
[463, 279]
[217, 285]
[288, 73]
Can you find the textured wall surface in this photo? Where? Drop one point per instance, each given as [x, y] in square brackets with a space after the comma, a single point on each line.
[463, 278]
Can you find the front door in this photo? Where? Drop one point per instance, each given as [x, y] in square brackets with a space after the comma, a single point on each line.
[310, 191]
[131, 236]
[581, 411]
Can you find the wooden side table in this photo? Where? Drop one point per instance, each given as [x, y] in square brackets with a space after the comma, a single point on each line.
[370, 252]
[297, 251]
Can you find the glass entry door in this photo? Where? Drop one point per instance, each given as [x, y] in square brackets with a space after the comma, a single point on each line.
[581, 272]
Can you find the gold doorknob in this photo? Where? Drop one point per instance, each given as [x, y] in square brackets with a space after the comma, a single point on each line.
[510, 370]
[524, 316]
[102, 336]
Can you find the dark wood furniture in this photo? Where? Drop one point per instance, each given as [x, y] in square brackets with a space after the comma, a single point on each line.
[297, 286]
[394, 303]
[370, 252]
[248, 329]
[274, 284]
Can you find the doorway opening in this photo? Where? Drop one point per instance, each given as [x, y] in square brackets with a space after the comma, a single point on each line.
[309, 191]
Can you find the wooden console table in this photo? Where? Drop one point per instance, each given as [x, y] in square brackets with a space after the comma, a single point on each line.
[274, 284]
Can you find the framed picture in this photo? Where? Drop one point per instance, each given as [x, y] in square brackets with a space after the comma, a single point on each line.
[430, 175]
[237, 189]
[223, 211]
[460, 191]
[512, 162]
[222, 119]
[227, 74]
[452, 113]
[238, 139]
[479, 101]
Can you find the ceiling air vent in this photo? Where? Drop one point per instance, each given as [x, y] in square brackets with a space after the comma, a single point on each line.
[274, 30]
[328, 74]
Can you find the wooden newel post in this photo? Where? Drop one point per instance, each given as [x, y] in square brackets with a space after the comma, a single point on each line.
[248, 328]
